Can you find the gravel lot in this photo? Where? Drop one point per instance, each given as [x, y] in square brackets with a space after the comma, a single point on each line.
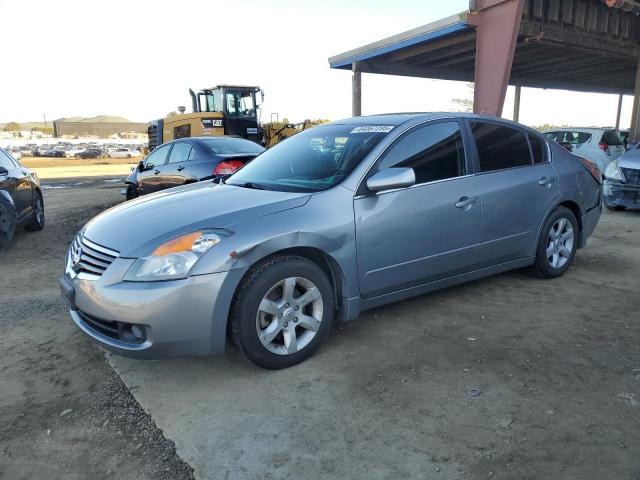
[47, 368]
[557, 365]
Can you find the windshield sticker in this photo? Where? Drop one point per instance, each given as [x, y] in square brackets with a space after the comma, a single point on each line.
[373, 129]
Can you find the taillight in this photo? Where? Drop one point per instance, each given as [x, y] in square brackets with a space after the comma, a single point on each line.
[227, 168]
[604, 146]
[593, 169]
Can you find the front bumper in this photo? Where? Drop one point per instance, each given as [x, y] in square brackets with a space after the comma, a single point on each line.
[179, 318]
[618, 194]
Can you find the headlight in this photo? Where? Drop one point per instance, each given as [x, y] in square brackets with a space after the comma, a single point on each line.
[174, 259]
[613, 172]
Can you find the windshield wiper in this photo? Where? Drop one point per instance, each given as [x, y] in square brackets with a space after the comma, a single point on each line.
[253, 185]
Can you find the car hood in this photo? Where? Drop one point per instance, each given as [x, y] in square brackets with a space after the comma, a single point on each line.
[631, 159]
[135, 228]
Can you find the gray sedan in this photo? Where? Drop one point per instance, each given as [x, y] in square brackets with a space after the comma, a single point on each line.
[338, 219]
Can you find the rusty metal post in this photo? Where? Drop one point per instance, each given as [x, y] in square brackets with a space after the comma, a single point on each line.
[634, 133]
[619, 114]
[356, 91]
[497, 24]
[516, 104]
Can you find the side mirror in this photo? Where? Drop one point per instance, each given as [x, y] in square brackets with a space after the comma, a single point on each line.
[3, 172]
[391, 178]
[141, 166]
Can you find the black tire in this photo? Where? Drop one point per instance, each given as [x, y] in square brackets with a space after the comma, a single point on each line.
[7, 225]
[257, 283]
[542, 266]
[37, 221]
[132, 191]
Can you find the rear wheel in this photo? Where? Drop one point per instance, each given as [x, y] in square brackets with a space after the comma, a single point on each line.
[7, 224]
[557, 245]
[282, 312]
[37, 222]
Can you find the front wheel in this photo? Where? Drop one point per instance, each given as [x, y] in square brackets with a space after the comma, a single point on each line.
[282, 311]
[37, 222]
[132, 191]
[557, 245]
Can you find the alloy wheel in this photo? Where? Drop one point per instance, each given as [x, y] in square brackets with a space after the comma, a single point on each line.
[289, 315]
[560, 243]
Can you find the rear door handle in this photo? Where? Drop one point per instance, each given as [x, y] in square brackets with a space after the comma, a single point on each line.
[465, 202]
[156, 172]
[546, 181]
[180, 168]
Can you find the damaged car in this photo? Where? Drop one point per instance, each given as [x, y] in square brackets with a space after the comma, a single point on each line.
[338, 219]
[621, 189]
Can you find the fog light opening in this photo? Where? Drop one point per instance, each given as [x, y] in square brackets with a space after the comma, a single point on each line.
[138, 332]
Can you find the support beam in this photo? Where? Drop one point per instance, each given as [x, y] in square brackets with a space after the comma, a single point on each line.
[619, 114]
[634, 133]
[356, 91]
[497, 23]
[516, 104]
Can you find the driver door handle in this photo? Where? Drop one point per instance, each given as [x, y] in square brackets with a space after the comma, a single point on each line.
[180, 168]
[156, 172]
[465, 202]
[544, 181]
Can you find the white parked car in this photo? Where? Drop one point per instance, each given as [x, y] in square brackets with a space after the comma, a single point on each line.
[599, 145]
[16, 154]
[123, 153]
[71, 152]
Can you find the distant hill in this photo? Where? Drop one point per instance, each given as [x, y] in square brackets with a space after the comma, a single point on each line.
[98, 119]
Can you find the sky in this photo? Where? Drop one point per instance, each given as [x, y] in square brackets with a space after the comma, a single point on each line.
[138, 58]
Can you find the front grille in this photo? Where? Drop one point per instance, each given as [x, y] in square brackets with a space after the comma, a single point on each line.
[89, 257]
[631, 175]
[120, 331]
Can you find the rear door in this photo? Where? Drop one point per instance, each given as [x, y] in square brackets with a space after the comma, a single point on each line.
[175, 171]
[516, 191]
[150, 180]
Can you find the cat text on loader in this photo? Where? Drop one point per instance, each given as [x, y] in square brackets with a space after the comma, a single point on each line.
[222, 110]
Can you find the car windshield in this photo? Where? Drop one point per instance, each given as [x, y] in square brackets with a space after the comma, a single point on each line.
[313, 160]
[229, 146]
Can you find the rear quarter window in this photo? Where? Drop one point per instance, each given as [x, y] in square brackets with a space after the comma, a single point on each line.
[538, 150]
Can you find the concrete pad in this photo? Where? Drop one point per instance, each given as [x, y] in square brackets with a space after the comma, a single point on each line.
[391, 395]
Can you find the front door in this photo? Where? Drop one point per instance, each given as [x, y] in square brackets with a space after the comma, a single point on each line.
[518, 187]
[430, 231]
[175, 171]
[150, 179]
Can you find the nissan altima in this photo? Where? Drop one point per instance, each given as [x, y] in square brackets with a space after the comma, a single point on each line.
[338, 219]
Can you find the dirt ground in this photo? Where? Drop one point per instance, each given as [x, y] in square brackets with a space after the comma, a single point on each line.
[391, 395]
[65, 168]
[64, 413]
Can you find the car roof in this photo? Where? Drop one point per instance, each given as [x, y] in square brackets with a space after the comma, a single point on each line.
[396, 119]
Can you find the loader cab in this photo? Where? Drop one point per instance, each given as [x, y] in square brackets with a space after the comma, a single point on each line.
[239, 106]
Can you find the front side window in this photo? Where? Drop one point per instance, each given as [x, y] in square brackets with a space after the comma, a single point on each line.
[157, 157]
[179, 152]
[435, 152]
[313, 160]
[500, 147]
[6, 160]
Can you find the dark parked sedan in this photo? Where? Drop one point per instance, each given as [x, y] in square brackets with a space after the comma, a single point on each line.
[20, 199]
[91, 153]
[189, 160]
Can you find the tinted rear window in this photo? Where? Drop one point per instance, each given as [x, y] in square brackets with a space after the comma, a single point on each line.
[500, 147]
[574, 137]
[611, 137]
[537, 149]
[230, 146]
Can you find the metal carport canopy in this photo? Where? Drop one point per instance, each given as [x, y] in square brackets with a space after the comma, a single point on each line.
[580, 45]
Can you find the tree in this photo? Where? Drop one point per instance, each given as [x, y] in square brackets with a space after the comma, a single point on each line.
[12, 127]
[466, 104]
